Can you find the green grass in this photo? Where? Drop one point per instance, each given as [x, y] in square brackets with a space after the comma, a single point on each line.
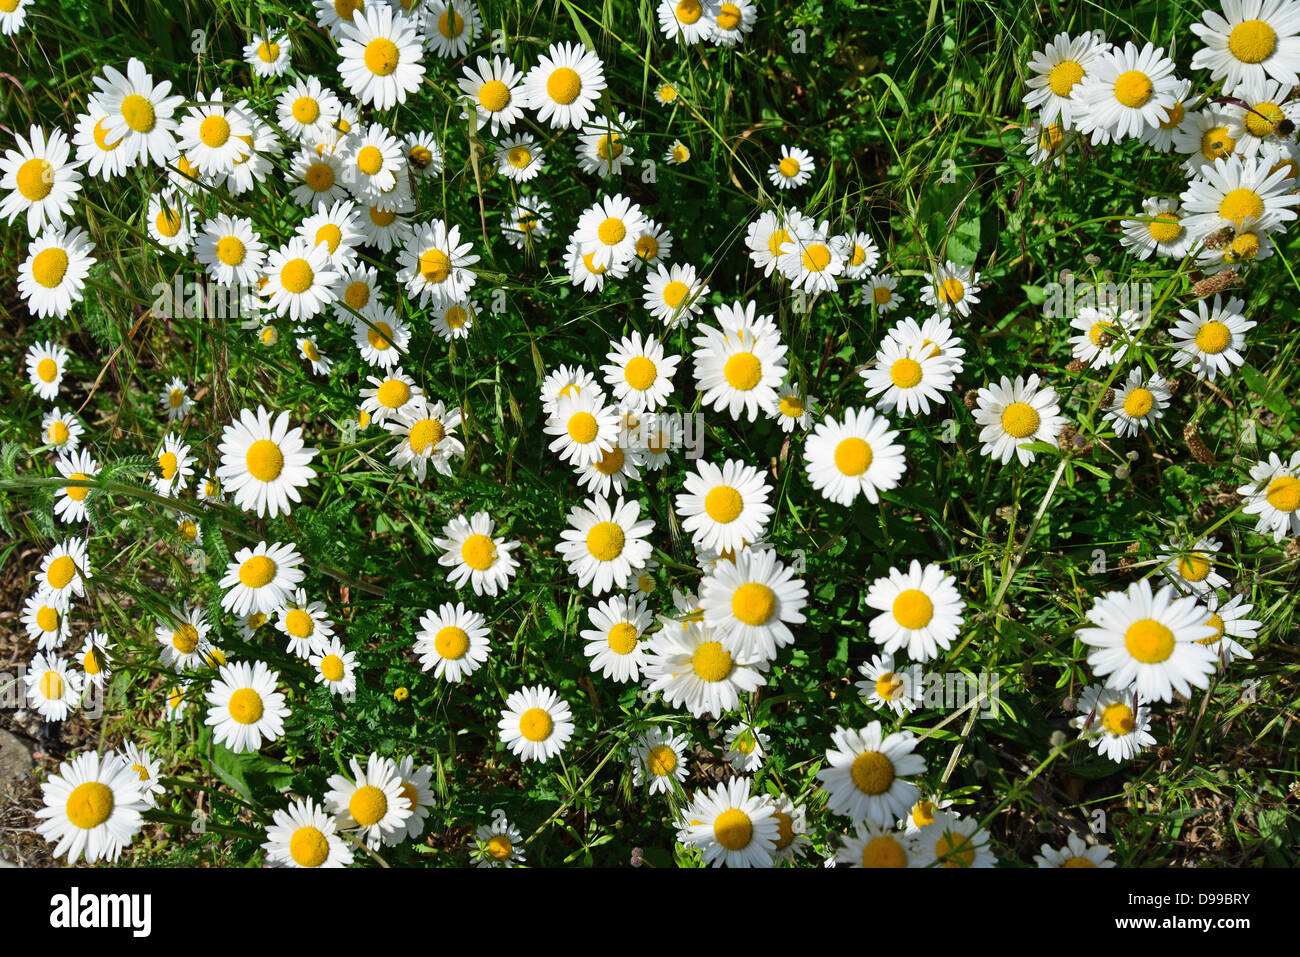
[888, 98]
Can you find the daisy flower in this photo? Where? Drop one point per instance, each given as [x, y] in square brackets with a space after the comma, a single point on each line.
[306, 624]
[93, 807]
[526, 222]
[1210, 339]
[176, 467]
[1254, 122]
[70, 506]
[729, 21]
[94, 661]
[391, 393]
[1139, 402]
[334, 667]
[751, 602]
[1057, 72]
[1273, 493]
[584, 271]
[64, 569]
[1150, 640]
[859, 252]
[667, 94]
[426, 430]
[474, 555]
[736, 369]
[564, 85]
[1075, 853]
[359, 287]
[793, 168]
[884, 687]
[170, 221]
[100, 155]
[688, 664]
[1236, 189]
[46, 362]
[1250, 40]
[139, 113]
[602, 147]
[724, 508]
[952, 841]
[244, 707]
[318, 178]
[735, 828]
[416, 790]
[380, 56]
[859, 456]
[333, 14]
[907, 378]
[673, 294]
[307, 348]
[52, 690]
[302, 280]
[46, 623]
[183, 639]
[659, 759]
[654, 243]
[264, 462]
[63, 430]
[684, 21]
[230, 249]
[519, 158]
[435, 264]
[212, 134]
[639, 374]
[381, 336]
[746, 748]
[268, 54]
[608, 231]
[372, 162]
[305, 836]
[146, 768]
[1203, 138]
[453, 642]
[585, 429]
[53, 276]
[1126, 93]
[423, 154]
[498, 844]
[1248, 244]
[260, 579]
[951, 289]
[865, 777]
[877, 846]
[337, 229]
[921, 611]
[535, 723]
[1045, 144]
[493, 91]
[1015, 413]
[1115, 722]
[880, 288]
[768, 236]
[1229, 621]
[614, 648]
[1160, 233]
[451, 27]
[677, 154]
[12, 15]
[372, 801]
[812, 260]
[39, 179]
[793, 408]
[567, 382]
[935, 334]
[604, 545]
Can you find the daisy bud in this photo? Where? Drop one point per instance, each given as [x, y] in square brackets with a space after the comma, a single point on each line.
[1069, 704]
[1216, 283]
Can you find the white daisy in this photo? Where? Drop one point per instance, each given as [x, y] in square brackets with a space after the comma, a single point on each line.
[306, 624]
[1229, 622]
[426, 430]
[372, 802]
[451, 27]
[53, 276]
[259, 579]
[139, 113]
[750, 603]
[380, 56]
[1126, 93]
[53, 691]
[1273, 493]
[304, 836]
[264, 462]
[865, 777]
[688, 664]
[659, 760]
[1075, 853]
[950, 289]
[268, 53]
[474, 555]
[380, 335]
[860, 455]
[1015, 413]
[93, 807]
[183, 639]
[907, 378]
[39, 179]
[921, 611]
[494, 92]
[1160, 233]
[1210, 339]
[519, 158]
[564, 85]
[603, 149]
[62, 430]
[46, 362]
[64, 570]
[70, 505]
[734, 828]
[605, 544]
[1139, 402]
[535, 723]
[738, 369]
[244, 707]
[231, 250]
[1252, 38]
[793, 168]
[212, 134]
[435, 264]
[614, 642]
[453, 642]
[1115, 722]
[885, 687]
[1057, 72]
[335, 667]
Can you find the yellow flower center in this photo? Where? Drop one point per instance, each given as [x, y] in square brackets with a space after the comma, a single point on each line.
[732, 829]
[331, 235]
[791, 406]
[1064, 76]
[90, 805]
[1252, 41]
[185, 638]
[77, 492]
[257, 572]
[583, 427]
[381, 56]
[1264, 119]
[499, 846]
[1139, 402]
[451, 642]
[479, 552]
[816, 257]
[1284, 493]
[777, 240]
[689, 11]
[425, 435]
[49, 266]
[381, 336]
[319, 177]
[214, 131]
[264, 460]
[456, 317]
[382, 217]
[743, 371]
[393, 394]
[138, 113]
[711, 662]
[611, 231]
[101, 138]
[1216, 622]
[47, 618]
[368, 805]
[753, 603]
[1241, 203]
[951, 291]
[535, 724]
[661, 760]
[268, 52]
[52, 685]
[90, 662]
[955, 850]
[889, 686]
[167, 464]
[608, 147]
[435, 265]
[246, 706]
[640, 372]
[1173, 116]
[167, 222]
[905, 373]
[563, 85]
[370, 160]
[450, 24]
[296, 276]
[61, 572]
[883, 851]
[494, 96]
[1243, 246]
[789, 167]
[58, 432]
[622, 638]
[1213, 337]
[610, 462]
[1020, 420]
[519, 157]
[1133, 88]
[230, 250]
[298, 623]
[872, 772]
[605, 541]
[1217, 144]
[728, 17]
[1165, 229]
[923, 813]
[35, 179]
[1117, 718]
[853, 456]
[1076, 862]
[308, 846]
[1149, 641]
[723, 504]
[913, 609]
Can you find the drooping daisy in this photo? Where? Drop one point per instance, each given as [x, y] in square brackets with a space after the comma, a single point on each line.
[1014, 413]
[307, 348]
[1273, 493]
[381, 335]
[1047, 143]
[859, 456]
[1149, 640]
[1057, 72]
[453, 641]
[302, 279]
[334, 667]
[865, 777]
[426, 430]
[793, 168]
[953, 841]
[306, 624]
[264, 462]
[535, 723]
[564, 85]
[1139, 402]
[47, 624]
[1229, 622]
[494, 92]
[1114, 721]
[140, 114]
[304, 835]
[519, 158]
[951, 289]
[1161, 233]
[183, 639]
[677, 153]
[1252, 39]
[884, 687]
[921, 611]
[475, 556]
[52, 689]
[53, 276]
[1075, 853]
[70, 506]
[614, 642]
[93, 807]
[907, 378]
[686, 661]
[244, 707]
[1126, 93]
[40, 181]
[498, 844]
[1210, 339]
[46, 362]
[372, 801]
[259, 579]
[659, 759]
[746, 747]
[268, 54]
[435, 264]
[604, 545]
[62, 430]
[750, 603]
[735, 828]
[584, 271]
[1237, 189]
[391, 393]
[61, 578]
